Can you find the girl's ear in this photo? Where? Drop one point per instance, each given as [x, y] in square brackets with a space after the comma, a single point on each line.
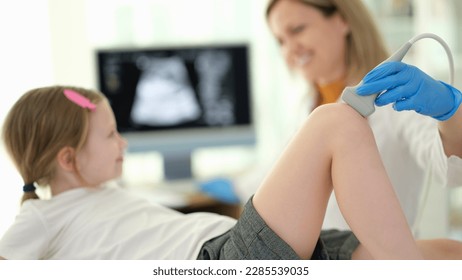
[66, 158]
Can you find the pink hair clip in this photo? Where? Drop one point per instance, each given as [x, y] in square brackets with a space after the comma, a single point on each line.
[78, 99]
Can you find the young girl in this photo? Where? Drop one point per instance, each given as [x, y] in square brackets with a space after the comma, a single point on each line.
[66, 138]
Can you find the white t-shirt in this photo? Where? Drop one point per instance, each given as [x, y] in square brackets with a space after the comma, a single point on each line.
[107, 223]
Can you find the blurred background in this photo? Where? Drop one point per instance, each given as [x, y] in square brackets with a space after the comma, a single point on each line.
[48, 42]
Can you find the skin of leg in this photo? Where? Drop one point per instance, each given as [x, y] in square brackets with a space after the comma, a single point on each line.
[334, 147]
[432, 249]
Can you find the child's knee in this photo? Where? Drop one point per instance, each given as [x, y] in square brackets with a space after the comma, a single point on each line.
[337, 112]
[339, 118]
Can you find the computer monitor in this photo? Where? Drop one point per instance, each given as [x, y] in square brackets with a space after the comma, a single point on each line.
[176, 99]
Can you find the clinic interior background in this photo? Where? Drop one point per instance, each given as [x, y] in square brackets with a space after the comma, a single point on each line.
[53, 42]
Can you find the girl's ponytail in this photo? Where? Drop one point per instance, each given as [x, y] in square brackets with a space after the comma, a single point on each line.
[29, 192]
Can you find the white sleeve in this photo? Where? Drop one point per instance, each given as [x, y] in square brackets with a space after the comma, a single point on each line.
[27, 238]
[454, 171]
[422, 136]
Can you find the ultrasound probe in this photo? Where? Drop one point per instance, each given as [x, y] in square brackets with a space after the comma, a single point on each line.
[365, 104]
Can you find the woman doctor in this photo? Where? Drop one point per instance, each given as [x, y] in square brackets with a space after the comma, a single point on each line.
[335, 43]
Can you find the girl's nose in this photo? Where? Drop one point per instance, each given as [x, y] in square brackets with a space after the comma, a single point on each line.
[123, 141]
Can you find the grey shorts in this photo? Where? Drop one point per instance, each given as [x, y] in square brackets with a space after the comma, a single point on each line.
[252, 239]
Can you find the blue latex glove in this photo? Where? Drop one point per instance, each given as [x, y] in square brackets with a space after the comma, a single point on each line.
[221, 189]
[409, 88]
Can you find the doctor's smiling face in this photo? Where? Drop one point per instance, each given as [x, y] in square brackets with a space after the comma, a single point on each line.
[311, 42]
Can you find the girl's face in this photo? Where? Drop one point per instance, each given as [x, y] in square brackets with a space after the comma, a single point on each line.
[102, 156]
[311, 43]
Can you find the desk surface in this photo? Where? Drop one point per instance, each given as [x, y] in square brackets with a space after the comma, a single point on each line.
[184, 196]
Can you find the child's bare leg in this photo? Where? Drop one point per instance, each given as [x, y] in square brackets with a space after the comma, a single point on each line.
[335, 147]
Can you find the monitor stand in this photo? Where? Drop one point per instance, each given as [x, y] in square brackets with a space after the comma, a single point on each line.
[177, 165]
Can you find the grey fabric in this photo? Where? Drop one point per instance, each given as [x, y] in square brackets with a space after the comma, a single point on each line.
[252, 239]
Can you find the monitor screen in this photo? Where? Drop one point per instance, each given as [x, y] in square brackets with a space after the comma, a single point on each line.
[174, 100]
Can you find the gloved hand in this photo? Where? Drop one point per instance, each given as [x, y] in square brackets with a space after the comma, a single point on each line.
[221, 189]
[409, 88]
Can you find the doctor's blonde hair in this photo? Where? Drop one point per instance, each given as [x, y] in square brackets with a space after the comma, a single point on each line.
[365, 46]
[39, 125]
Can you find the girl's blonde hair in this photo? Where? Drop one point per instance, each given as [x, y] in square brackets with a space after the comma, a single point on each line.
[365, 46]
[39, 125]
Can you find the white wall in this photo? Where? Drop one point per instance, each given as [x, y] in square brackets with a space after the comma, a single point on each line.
[25, 62]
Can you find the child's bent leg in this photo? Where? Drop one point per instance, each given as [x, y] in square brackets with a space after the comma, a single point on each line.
[335, 147]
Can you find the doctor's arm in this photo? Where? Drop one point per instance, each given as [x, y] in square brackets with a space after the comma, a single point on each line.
[407, 87]
[451, 134]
